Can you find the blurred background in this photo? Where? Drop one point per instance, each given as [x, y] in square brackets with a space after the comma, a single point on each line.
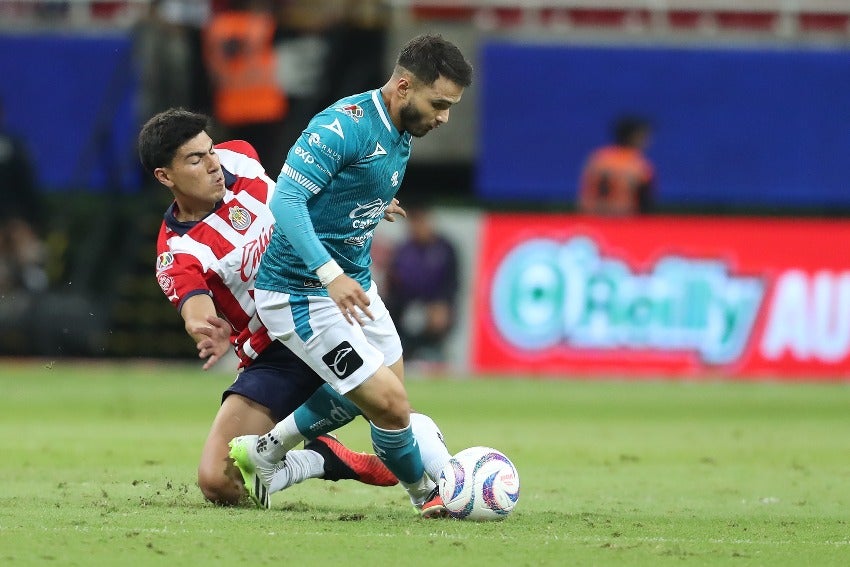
[640, 187]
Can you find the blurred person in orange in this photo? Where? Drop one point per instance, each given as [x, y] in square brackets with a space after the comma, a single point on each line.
[240, 56]
[618, 179]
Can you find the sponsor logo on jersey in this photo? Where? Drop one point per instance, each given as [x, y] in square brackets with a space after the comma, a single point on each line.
[343, 360]
[360, 240]
[367, 214]
[315, 141]
[252, 253]
[334, 127]
[352, 110]
[305, 155]
[164, 261]
[394, 179]
[379, 151]
[239, 217]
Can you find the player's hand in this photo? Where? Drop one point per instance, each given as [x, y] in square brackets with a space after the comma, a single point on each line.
[350, 297]
[394, 209]
[216, 341]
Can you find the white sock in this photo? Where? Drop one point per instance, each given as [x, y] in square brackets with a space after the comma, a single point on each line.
[300, 465]
[433, 449]
[275, 444]
[419, 491]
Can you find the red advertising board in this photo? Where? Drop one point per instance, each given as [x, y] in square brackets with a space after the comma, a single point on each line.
[571, 295]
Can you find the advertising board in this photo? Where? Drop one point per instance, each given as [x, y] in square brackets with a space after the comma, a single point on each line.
[560, 294]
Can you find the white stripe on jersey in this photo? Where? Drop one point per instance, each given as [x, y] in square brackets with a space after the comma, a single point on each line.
[247, 348]
[223, 227]
[189, 245]
[241, 165]
[381, 110]
[300, 179]
[251, 203]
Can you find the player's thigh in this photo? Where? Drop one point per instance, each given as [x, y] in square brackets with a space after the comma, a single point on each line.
[314, 329]
[382, 333]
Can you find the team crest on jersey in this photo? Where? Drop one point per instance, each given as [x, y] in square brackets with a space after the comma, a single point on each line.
[164, 260]
[165, 282]
[352, 110]
[240, 218]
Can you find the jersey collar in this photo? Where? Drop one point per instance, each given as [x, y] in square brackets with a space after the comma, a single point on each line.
[384, 113]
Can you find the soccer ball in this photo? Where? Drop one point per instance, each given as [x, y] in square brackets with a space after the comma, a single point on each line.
[479, 483]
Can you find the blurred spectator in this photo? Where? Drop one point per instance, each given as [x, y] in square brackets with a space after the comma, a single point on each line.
[303, 47]
[22, 252]
[164, 56]
[618, 179]
[247, 99]
[326, 49]
[358, 45]
[422, 284]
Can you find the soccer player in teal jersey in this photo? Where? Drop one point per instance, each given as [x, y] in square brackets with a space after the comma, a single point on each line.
[314, 289]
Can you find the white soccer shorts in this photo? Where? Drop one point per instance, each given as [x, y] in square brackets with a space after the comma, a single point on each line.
[313, 327]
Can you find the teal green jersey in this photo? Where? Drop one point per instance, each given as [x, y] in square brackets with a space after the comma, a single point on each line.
[338, 179]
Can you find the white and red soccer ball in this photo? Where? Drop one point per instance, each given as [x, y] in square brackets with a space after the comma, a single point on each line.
[479, 483]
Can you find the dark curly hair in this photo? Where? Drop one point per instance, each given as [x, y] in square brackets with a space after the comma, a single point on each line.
[165, 132]
[430, 56]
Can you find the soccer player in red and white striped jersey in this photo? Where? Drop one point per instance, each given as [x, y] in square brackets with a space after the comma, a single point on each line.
[209, 246]
[218, 254]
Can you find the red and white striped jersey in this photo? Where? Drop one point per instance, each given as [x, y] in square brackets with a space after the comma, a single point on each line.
[219, 255]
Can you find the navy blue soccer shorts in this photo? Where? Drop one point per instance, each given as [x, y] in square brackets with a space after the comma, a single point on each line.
[276, 379]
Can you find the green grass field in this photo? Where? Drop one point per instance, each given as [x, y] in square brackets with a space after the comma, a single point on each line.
[99, 469]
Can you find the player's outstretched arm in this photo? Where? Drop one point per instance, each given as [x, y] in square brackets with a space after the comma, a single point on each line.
[210, 332]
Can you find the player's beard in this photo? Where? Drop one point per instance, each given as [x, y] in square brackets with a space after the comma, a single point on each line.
[411, 121]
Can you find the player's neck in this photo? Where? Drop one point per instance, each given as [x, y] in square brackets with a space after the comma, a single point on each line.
[190, 212]
[387, 92]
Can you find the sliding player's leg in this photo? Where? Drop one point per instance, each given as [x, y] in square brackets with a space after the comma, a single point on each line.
[271, 387]
[316, 331]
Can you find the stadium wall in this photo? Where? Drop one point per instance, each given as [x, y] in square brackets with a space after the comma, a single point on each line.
[77, 111]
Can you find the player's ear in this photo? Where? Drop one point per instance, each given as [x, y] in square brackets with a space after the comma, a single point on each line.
[403, 85]
[161, 174]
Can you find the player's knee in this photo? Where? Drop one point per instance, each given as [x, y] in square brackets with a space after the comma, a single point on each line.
[392, 409]
[217, 487]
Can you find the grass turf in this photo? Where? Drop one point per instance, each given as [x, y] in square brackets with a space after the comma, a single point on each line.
[99, 469]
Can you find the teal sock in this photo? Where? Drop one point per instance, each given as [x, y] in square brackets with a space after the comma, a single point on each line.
[323, 412]
[399, 451]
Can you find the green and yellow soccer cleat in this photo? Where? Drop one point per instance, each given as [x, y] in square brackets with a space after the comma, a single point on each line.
[240, 452]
